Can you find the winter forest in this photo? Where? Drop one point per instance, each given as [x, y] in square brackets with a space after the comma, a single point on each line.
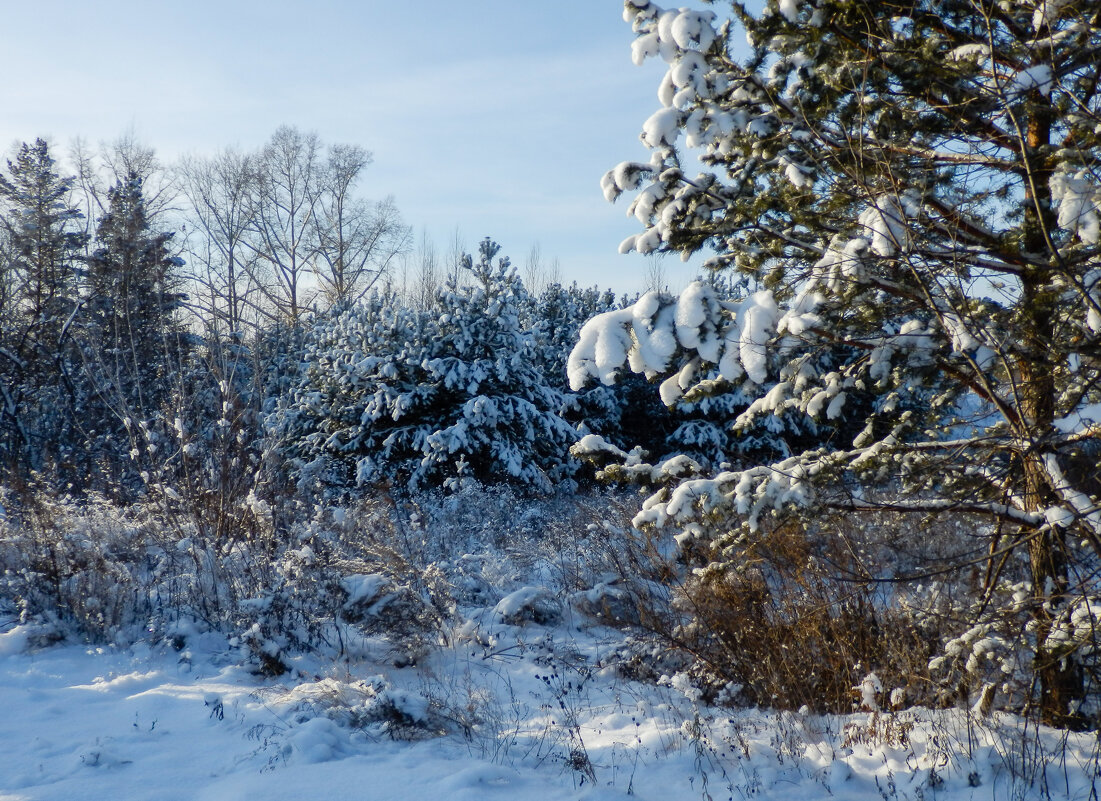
[350, 515]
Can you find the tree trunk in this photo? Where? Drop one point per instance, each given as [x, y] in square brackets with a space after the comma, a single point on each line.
[1059, 674]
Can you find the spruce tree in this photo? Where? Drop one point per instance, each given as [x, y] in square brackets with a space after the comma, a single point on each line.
[43, 245]
[131, 339]
[44, 241]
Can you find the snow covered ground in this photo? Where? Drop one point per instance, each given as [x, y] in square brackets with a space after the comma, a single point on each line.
[504, 711]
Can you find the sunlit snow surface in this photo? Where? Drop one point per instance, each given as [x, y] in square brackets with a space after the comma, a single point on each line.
[88, 723]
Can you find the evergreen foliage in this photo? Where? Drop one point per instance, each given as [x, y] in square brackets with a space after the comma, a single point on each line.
[131, 343]
[429, 397]
[44, 244]
[912, 187]
[39, 268]
[132, 296]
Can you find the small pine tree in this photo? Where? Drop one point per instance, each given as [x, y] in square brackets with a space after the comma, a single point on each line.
[431, 397]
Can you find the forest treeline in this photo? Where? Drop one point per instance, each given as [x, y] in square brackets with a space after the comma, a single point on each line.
[258, 303]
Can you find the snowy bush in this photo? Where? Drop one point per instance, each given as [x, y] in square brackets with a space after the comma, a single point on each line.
[75, 567]
[372, 705]
[88, 569]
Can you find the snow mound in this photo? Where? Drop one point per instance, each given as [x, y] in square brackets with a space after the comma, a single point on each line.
[528, 605]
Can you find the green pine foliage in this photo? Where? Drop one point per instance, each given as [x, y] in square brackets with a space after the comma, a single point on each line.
[915, 188]
[430, 397]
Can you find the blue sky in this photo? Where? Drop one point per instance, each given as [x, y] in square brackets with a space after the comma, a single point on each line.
[495, 117]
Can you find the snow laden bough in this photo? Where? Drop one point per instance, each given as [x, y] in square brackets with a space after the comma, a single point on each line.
[701, 343]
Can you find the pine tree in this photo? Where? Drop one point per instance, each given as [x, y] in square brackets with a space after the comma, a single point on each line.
[431, 397]
[555, 316]
[918, 183]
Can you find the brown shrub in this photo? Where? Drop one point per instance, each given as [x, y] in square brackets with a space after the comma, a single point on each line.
[785, 618]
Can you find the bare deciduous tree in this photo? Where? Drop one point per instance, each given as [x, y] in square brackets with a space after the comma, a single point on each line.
[218, 192]
[98, 170]
[539, 273]
[421, 269]
[282, 237]
[356, 240]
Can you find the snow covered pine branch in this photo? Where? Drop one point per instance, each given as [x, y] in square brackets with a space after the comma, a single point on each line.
[911, 193]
